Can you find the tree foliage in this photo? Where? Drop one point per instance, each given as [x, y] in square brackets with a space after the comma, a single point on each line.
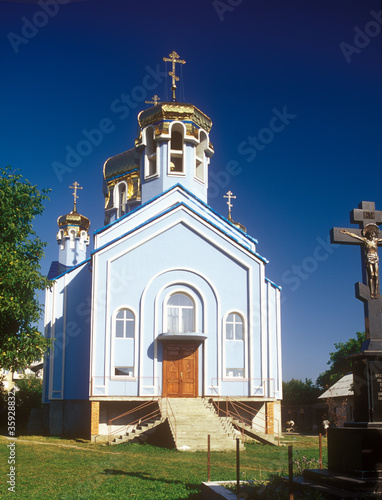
[20, 252]
[299, 392]
[339, 364]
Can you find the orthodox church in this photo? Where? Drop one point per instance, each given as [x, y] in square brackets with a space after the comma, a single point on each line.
[171, 306]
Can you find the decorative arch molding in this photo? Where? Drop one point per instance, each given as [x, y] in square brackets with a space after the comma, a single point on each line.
[207, 301]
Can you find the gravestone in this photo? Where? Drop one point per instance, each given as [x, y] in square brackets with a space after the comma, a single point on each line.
[355, 450]
[357, 447]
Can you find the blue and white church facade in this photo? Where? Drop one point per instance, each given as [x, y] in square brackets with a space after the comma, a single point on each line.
[173, 301]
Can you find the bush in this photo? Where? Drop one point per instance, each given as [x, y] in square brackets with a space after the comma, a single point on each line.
[28, 396]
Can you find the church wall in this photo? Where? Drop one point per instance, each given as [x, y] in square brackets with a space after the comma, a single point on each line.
[274, 343]
[68, 322]
[218, 271]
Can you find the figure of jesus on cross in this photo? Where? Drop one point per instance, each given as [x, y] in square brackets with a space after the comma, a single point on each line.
[370, 240]
[367, 236]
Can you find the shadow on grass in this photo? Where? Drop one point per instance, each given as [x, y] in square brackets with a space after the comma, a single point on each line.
[146, 476]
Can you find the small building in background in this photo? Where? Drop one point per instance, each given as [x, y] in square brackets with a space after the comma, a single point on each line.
[339, 399]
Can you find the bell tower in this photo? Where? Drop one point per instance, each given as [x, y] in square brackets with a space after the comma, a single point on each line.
[72, 236]
[173, 145]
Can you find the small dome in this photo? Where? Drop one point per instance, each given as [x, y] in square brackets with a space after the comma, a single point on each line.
[73, 220]
[120, 164]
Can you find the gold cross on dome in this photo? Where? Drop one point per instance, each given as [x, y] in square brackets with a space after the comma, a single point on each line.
[174, 58]
[75, 187]
[230, 197]
[155, 100]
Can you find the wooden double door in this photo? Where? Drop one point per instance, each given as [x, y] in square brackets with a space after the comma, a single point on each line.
[180, 369]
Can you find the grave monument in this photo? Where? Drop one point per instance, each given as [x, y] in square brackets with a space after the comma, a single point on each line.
[355, 450]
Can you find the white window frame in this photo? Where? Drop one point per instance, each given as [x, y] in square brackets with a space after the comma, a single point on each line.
[192, 296]
[114, 337]
[243, 340]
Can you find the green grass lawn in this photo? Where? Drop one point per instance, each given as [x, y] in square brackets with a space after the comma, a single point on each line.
[68, 469]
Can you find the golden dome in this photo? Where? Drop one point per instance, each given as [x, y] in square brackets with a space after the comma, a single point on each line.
[74, 220]
[170, 111]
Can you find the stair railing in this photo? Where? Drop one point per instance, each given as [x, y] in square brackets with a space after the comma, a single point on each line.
[153, 414]
[235, 414]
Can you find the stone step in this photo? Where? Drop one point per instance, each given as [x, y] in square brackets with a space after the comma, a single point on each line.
[194, 422]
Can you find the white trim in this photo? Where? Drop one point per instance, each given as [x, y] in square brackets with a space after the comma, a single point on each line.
[187, 223]
[51, 350]
[65, 315]
[263, 326]
[278, 338]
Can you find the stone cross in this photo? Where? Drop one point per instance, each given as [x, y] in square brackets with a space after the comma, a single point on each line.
[75, 187]
[174, 58]
[368, 220]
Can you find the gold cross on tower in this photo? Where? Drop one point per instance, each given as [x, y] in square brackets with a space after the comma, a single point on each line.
[230, 197]
[154, 101]
[174, 58]
[75, 187]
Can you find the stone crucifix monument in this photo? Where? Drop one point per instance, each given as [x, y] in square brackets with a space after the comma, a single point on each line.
[356, 448]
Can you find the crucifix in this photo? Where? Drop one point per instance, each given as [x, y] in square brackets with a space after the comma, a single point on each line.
[75, 187]
[155, 100]
[174, 58]
[230, 197]
[367, 236]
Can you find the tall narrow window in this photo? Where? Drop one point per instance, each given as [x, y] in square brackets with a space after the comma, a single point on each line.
[234, 327]
[121, 199]
[176, 149]
[151, 161]
[234, 346]
[124, 343]
[180, 314]
[200, 157]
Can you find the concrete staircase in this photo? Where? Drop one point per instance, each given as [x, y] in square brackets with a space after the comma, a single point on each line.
[139, 434]
[194, 421]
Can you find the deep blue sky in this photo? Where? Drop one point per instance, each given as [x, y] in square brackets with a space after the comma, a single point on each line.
[63, 72]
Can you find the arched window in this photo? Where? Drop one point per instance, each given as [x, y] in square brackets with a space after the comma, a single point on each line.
[234, 327]
[124, 343]
[200, 157]
[151, 162]
[234, 345]
[180, 313]
[176, 149]
[121, 199]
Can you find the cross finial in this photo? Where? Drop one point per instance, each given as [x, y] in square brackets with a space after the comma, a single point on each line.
[155, 100]
[230, 197]
[75, 196]
[174, 58]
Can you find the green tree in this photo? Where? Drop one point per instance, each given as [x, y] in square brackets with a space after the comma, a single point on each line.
[339, 364]
[20, 252]
[299, 392]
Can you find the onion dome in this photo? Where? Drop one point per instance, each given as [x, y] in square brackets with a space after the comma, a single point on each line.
[73, 220]
[120, 164]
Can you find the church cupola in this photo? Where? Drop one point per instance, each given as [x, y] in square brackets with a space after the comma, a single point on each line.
[174, 145]
[72, 236]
